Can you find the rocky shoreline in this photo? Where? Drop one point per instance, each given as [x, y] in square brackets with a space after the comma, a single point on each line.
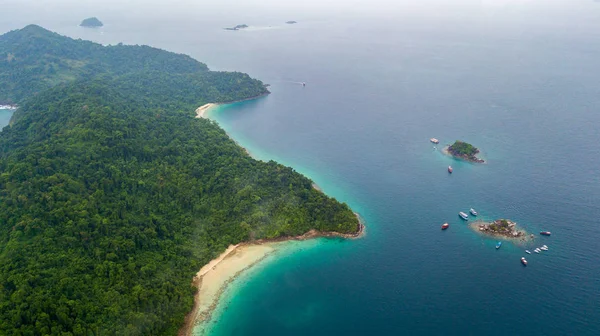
[471, 158]
[501, 228]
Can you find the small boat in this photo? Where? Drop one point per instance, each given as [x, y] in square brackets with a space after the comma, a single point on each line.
[445, 226]
[545, 233]
[544, 248]
[473, 212]
[434, 140]
[537, 250]
[527, 251]
[524, 261]
[498, 245]
[463, 215]
[450, 169]
[303, 84]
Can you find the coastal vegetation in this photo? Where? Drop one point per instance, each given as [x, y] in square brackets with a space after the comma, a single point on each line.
[92, 22]
[465, 151]
[112, 195]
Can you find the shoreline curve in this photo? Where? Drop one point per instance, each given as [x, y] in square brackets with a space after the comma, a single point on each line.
[213, 278]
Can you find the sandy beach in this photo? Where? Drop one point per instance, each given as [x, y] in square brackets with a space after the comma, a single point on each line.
[213, 278]
[202, 110]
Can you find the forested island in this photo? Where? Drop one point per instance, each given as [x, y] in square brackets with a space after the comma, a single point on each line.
[91, 23]
[464, 151]
[112, 195]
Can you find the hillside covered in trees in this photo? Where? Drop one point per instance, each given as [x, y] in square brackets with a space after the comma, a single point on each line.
[33, 59]
[112, 195]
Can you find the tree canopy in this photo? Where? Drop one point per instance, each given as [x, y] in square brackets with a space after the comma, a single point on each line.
[462, 148]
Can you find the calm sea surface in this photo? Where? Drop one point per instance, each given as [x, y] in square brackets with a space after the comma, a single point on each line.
[518, 79]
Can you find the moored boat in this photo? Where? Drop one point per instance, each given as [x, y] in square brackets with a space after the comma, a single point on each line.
[434, 140]
[463, 215]
[498, 245]
[524, 261]
[537, 250]
[545, 233]
[445, 226]
[450, 169]
[527, 251]
[544, 248]
[473, 212]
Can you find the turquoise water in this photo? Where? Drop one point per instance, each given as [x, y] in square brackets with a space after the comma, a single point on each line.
[516, 78]
[5, 116]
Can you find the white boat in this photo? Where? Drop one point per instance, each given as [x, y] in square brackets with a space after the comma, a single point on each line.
[527, 251]
[537, 250]
[473, 212]
[434, 140]
[463, 215]
[544, 248]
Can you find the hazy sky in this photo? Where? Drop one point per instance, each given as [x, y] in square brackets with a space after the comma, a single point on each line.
[302, 7]
[57, 13]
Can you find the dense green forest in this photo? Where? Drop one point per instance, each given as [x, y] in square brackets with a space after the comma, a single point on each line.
[463, 148]
[112, 195]
[33, 59]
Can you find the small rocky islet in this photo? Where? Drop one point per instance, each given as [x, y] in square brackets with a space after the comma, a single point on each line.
[92, 22]
[501, 228]
[238, 27]
[465, 151]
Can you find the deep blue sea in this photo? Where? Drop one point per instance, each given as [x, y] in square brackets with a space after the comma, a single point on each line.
[518, 79]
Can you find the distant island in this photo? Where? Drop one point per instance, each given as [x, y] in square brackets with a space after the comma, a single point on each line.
[91, 23]
[238, 27]
[500, 228]
[291, 22]
[464, 151]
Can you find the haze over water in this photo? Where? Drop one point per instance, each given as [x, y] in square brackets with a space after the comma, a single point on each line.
[518, 79]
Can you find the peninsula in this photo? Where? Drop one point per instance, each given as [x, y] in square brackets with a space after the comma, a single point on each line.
[464, 151]
[503, 228]
[127, 194]
[238, 27]
[91, 23]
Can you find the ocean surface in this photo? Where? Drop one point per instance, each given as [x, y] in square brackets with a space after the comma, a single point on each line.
[518, 79]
